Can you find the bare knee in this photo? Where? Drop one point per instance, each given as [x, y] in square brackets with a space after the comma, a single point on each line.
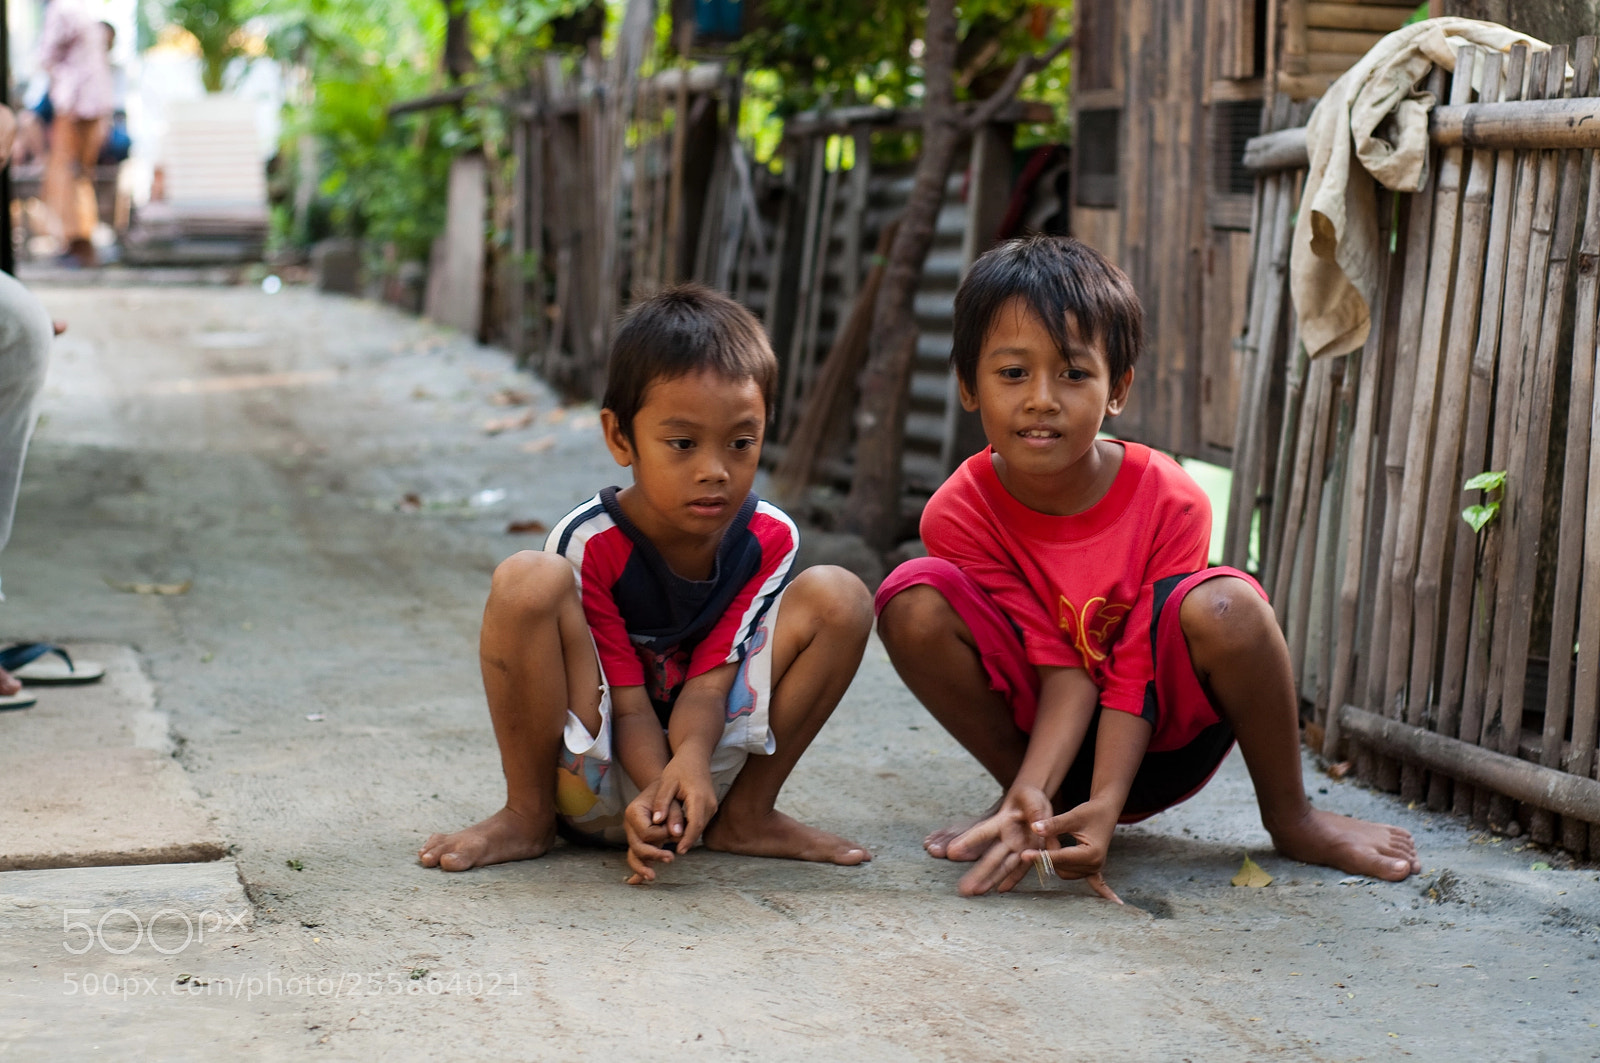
[835, 596]
[532, 583]
[917, 617]
[1224, 616]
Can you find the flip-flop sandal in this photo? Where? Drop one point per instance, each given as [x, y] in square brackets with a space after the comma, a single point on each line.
[24, 661]
[22, 699]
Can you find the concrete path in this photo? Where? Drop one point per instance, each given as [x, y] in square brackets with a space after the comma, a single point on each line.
[319, 470]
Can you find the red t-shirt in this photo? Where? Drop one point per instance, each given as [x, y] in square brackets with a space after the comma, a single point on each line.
[1080, 588]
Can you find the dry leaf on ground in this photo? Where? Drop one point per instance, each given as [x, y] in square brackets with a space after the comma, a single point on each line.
[167, 589]
[1251, 874]
[510, 397]
[1312, 736]
[526, 527]
[1341, 769]
[507, 424]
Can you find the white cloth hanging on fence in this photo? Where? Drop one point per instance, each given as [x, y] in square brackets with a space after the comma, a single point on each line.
[1372, 124]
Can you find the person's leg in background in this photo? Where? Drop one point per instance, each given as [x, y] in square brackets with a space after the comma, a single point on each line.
[25, 334]
[74, 147]
[80, 237]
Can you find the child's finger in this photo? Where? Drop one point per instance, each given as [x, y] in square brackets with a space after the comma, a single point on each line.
[1098, 884]
[987, 873]
[1017, 869]
[659, 807]
[675, 820]
[1066, 824]
[978, 839]
[698, 813]
[1077, 861]
[641, 854]
[641, 870]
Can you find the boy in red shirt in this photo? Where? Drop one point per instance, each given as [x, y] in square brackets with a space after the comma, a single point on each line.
[1065, 627]
[656, 672]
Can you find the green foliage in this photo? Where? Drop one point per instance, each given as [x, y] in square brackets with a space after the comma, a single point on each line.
[1479, 516]
[218, 27]
[841, 53]
[382, 179]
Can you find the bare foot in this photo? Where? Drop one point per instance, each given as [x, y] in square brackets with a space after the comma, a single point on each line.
[504, 836]
[8, 684]
[776, 834]
[938, 843]
[1351, 845]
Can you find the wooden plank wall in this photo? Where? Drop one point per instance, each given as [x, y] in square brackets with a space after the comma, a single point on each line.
[1157, 232]
[1322, 39]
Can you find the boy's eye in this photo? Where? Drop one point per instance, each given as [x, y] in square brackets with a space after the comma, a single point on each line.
[1076, 374]
[1012, 372]
[681, 444]
[744, 443]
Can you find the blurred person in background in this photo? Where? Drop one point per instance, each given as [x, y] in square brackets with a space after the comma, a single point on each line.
[73, 50]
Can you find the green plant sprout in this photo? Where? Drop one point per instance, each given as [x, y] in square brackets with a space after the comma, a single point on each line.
[1479, 516]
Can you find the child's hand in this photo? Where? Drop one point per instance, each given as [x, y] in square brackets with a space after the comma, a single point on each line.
[999, 842]
[1090, 826]
[686, 783]
[647, 837]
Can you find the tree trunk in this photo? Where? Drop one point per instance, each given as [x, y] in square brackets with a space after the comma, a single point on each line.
[872, 510]
[1552, 21]
[457, 60]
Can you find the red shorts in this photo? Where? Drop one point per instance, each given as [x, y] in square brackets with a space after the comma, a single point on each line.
[1192, 737]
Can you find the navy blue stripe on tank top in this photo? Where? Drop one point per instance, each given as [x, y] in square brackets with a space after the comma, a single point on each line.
[574, 522]
[663, 610]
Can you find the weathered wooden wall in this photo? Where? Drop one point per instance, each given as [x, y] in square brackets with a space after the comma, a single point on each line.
[1166, 93]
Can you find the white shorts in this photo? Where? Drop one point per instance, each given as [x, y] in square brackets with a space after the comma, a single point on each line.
[593, 790]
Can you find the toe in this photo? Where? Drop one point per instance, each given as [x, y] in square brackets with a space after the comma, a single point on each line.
[454, 861]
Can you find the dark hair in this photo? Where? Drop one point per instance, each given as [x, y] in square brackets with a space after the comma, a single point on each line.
[1056, 276]
[680, 330]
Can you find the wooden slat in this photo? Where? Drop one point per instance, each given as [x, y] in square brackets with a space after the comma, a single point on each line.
[1461, 600]
[1554, 225]
[1420, 231]
[1436, 421]
[1383, 19]
[1569, 547]
[1321, 417]
[1332, 63]
[1346, 42]
[1372, 365]
[1546, 123]
[1481, 701]
[1531, 783]
[1266, 300]
[1302, 397]
[1293, 450]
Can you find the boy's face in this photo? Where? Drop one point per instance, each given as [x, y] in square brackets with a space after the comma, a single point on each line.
[1041, 411]
[696, 441]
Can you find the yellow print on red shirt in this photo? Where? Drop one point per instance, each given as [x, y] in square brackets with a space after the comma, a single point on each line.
[1092, 627]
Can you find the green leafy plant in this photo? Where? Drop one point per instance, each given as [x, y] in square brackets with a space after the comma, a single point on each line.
[218, 28]
[1493, 484]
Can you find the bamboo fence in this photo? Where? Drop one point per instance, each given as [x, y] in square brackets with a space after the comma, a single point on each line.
[1455, 666]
